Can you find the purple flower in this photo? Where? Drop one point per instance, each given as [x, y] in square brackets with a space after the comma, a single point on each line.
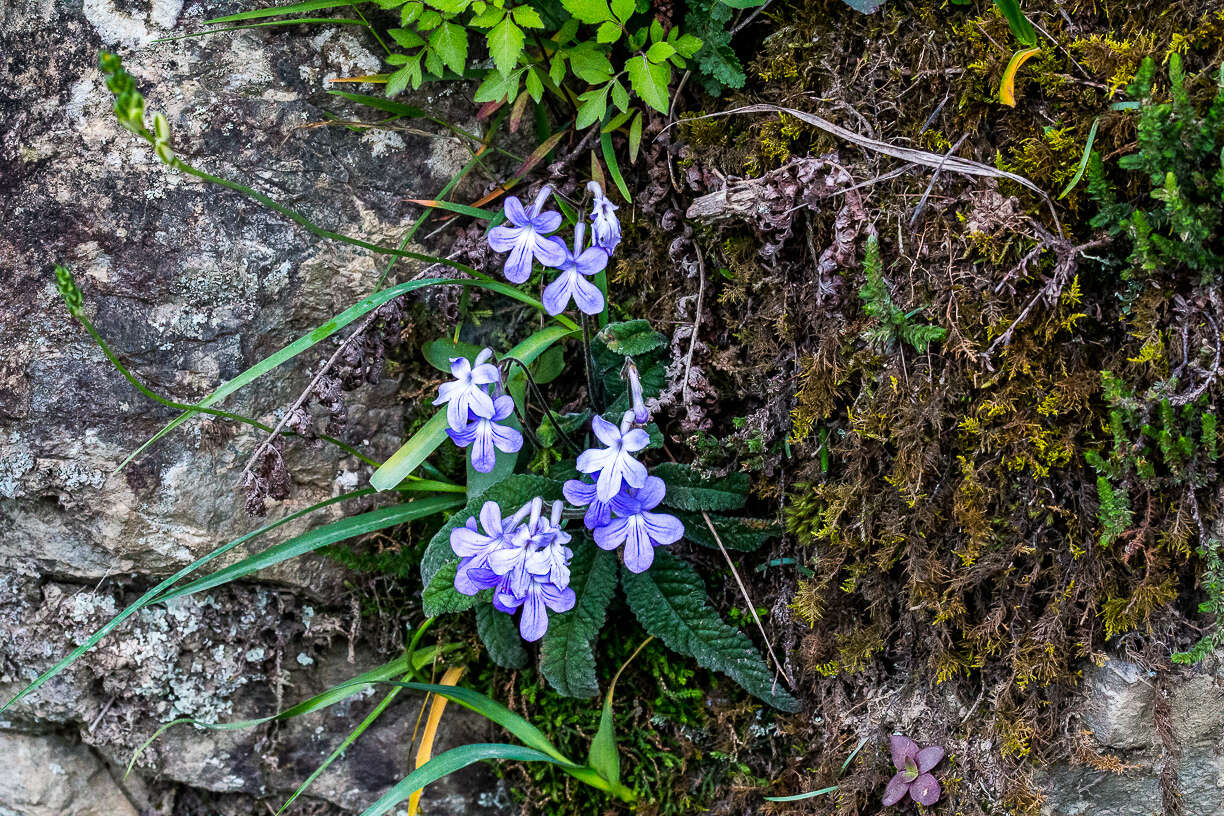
[582, 494]
[639, 530]
[484, 434]
[474, 549]
[551, 561]
[527, 238]
[572, 283]
[466, 394]
[605, 227]
[615, 464]
[636, 401]
[541, 595]
[913, 772]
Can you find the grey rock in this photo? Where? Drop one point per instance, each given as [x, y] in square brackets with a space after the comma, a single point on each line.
[49, 776]
[1120, 705]
[191, 284]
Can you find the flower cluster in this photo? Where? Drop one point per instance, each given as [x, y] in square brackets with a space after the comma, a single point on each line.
[475, 406]
[621, 497]
[523, 559]
[528, 236]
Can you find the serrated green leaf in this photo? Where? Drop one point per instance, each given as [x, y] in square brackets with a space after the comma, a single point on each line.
[590, 64]
[631, 338]
[623, 9]
[496, 88]
[534, 85]
[488, 18]
[660, 51]
[398, 81]
[433, 63]
[500, 636]
[620, 96]
[594, 105]
[429, 20]
[687, 490]
[566, 657]
[588, 11]
[649, 81]
[527, 17]
[405, 38]
[607, 33]
[556, 69]
[450, 43]
[410, 12]
[687, 45]
[505, 45]
[450, 7]
[669, 600]
[397, 59]
[742, 534]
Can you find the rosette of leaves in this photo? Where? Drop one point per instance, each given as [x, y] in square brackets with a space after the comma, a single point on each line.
[668, 600]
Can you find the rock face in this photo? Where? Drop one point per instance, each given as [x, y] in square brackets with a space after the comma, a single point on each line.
[191, 284]
[1150, 748]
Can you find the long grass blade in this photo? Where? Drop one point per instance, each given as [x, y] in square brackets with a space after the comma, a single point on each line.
[294, 21]
[412, 453]
[324, 331]
[799, 797]
[425, 750]
[448, 763]
[605, 142]
[150, 596]
[1083, 163]
[319, 537]
[276, 11]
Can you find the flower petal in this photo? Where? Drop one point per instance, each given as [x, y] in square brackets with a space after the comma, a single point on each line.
[592, 261]
[612, 534]
[485, 374]
[925, 790]
[534, 622]
[633, 471]
[639, 549]
[549, 251]
[467, 543]
[515, 212]
[518, 264]
[902, 748]
[635, 440]
[491, 519]
[663, 528]
[558, 599]
[896, 790]
[484, 458]
[470, 580]
[481, 404]
[503, 238]
[604, 430]
[928, 758]
[587, 296]
[558, 293]
[546, 222]
[578, 493]
[592, 461]
[507, 439]
[651, 493]
[503, 407]
[464, 436]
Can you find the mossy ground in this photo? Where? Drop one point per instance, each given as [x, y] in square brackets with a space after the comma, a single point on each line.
[944, 571]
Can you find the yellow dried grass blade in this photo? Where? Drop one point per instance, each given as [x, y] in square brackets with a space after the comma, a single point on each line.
[425, 751]
[1007, 88]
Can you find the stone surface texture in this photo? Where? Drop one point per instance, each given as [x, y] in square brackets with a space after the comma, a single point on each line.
[191, 284]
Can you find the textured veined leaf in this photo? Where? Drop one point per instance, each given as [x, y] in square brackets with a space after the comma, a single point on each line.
[527, 17]
[440, 598]
[566, 657]
[660, 51]
[500, 636]
[630, 338]
[594, 105]
[687, 490]
[590, 64]
[742, 534]
[669, 600]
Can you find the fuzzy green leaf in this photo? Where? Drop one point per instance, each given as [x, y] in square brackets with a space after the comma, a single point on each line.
[440, 597]
[566, 657]
[742, 534]
[631, 338]
[669, 601]
[687, 490]
[500, 636]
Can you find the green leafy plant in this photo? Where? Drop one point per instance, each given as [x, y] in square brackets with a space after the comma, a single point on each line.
[893, 324]
[1181, 224]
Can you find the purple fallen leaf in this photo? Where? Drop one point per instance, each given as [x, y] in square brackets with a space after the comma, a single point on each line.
[925, 790]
